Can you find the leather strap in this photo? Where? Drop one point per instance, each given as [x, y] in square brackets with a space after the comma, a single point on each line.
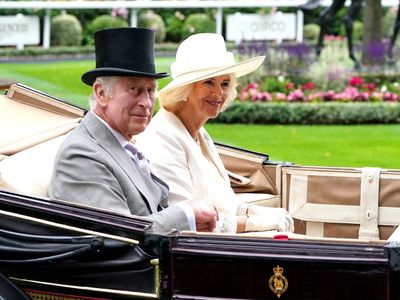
[315, 229]
[369, 204]
[343, 214]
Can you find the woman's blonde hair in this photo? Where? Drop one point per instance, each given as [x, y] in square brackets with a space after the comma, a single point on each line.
[170, 99]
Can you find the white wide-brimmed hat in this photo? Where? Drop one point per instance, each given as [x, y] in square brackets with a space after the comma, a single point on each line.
[203, 56]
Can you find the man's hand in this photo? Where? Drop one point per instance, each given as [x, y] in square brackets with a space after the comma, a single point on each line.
[205, 213]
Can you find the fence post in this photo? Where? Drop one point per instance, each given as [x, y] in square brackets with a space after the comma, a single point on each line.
[134, 17]
[299, 26]
[46, 29]
[219, 20]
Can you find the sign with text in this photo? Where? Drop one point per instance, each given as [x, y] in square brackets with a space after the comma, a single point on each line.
[253, 27]
[19, 30]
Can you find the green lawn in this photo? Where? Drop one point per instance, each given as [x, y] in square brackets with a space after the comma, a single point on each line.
[370, 145]
[62, 79]
[357, 146]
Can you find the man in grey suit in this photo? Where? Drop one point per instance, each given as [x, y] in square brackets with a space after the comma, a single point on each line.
[97, 165]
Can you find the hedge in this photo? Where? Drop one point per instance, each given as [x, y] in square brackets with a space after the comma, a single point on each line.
[66, 30]
[9, 53]
[310, 113]
[149, 19]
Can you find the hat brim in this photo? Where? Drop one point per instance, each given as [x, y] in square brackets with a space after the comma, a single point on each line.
[90, 76]
[239, 69]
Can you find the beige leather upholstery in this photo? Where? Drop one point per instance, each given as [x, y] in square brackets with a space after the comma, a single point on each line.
[29, 171]
[32, 127]
[23, 126]
[342, 202]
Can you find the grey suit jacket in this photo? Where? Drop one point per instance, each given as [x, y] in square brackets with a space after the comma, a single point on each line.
[92, 168]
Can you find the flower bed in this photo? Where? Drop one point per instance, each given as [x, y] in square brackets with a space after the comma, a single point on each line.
[277, 101]
[356, 91]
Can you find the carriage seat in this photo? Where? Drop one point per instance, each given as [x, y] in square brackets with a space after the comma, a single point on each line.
[261, 199]
[29, 171]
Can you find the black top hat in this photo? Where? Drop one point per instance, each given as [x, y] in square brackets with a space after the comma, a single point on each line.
[123, 52]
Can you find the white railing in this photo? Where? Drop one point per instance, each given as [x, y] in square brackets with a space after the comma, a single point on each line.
[135, 5]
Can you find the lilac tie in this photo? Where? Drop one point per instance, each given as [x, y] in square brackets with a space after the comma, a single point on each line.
[138, 158]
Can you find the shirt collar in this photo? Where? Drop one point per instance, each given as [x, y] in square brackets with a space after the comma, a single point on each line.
[120, 138]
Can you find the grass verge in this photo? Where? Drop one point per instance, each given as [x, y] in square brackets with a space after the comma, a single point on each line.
[62, 79]
[332, 145]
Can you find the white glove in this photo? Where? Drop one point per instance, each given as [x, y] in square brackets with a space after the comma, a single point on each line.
[226, 223]
[263, 218]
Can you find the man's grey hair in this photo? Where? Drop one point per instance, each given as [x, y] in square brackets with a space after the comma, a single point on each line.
[171, 99]
[108, 82]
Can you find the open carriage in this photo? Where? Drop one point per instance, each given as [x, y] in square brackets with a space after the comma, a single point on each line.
[346, 244]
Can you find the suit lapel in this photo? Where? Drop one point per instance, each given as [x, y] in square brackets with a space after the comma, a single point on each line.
[164, 190]
[109, 143]
[206, 151]
[205, 141]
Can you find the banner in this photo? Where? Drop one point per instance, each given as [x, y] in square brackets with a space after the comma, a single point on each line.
[253, 27]
[19, 30]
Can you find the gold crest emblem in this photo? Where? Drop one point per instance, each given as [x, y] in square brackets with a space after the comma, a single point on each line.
[277, 282]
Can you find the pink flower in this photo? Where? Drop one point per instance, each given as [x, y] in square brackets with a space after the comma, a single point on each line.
[252, 85]
[332, 38]
[361, 97]
[339, 97]
[371, 86]
[350, 92]
[314, 96]
[368, 86]
[308, 86]
[244, 95]
[355, 81]
[265, 96]
[280, 97]
[391, 97]
[261, 96]
[120, 12]
[296, 96]
[253, 92]
[329, 37]
[328, 95]
[289, 86]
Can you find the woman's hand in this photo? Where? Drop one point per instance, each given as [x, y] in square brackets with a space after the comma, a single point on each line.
[262, 218]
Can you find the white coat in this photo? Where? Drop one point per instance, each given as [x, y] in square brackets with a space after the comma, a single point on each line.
[192, 169]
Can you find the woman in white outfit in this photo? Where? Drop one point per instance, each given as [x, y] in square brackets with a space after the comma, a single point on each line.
[179, 148]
